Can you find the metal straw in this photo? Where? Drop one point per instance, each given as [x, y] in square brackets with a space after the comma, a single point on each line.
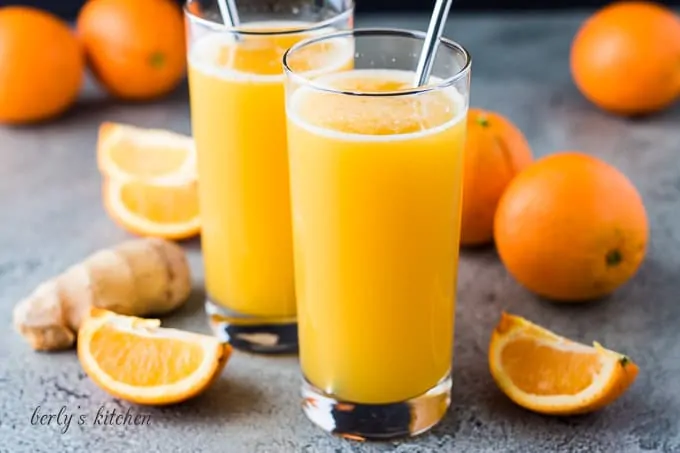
[229, 12]
[434, 34]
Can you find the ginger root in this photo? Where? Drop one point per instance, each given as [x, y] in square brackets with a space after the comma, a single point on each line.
[141, 277]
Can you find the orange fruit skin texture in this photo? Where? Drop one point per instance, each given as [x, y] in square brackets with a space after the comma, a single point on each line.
[135, 48]
[41, 65]
[626, 58]
[571, 228]
[495, 151]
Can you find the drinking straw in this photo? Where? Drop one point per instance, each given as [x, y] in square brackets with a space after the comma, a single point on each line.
[229, 12]
[434, 34]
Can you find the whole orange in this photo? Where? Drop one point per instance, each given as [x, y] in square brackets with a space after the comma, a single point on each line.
[495, 151]
[135, 48]
[571, 227]
[41, 65]
[626, 58]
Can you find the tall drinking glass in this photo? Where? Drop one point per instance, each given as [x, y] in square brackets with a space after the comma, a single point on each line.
[236, 84]
[376, 182]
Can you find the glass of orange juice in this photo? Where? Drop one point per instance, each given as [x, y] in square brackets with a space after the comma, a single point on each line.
[376, 181]
[236, 84]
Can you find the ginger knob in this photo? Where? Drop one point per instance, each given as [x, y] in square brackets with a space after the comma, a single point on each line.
[141, 277]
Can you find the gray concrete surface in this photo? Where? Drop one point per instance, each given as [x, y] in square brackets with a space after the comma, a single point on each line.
[52, 216]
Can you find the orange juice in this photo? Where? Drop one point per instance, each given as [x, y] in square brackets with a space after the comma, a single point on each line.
[238, 121]
[376, 196]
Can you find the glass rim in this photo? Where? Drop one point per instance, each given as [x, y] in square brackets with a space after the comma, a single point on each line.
[377, 31]
[220, 27]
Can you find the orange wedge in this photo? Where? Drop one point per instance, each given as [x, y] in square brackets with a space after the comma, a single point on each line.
[150, 183]
[125, 152]
[549, 374]
[137, 360]
[148, 209]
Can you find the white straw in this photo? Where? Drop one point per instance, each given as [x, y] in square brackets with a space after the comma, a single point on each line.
[434, 34]
[229, 12]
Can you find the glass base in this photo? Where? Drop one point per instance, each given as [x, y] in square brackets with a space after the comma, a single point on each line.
[253, 334]
[377, 421]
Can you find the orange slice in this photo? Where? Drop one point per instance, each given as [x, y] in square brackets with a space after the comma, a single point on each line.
[150, 183]
[137, 360]
[549, 374]
[153, 209]
[125, 152]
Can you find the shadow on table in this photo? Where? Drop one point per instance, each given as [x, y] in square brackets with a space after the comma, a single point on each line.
[192, 307]
[226, 400]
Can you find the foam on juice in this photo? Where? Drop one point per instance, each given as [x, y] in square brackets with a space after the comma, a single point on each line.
[257, 58]
[374, 118]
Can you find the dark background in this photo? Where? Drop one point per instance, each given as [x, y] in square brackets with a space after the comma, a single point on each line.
[69, 8]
